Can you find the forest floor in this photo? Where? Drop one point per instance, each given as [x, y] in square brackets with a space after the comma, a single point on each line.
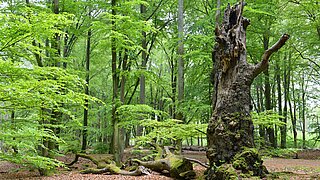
[306, 167]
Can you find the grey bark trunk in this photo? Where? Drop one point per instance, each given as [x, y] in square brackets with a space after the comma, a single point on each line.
[180, 67]
[230, 128]
[180, 52]
[143, 67]
[115, 137]
[279, 92]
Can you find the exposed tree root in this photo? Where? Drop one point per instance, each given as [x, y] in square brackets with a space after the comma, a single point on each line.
[108, 166]
[176, 166]
[197, 161]
[113, 169]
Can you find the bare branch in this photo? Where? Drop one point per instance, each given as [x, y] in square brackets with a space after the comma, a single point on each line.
[154, 11]
[301, 55]
[266, 55]
[197, 161]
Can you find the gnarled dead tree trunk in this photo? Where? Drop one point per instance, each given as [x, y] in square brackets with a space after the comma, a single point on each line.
[230, 128]
[106, 165]
[175, 166]
[178, 167]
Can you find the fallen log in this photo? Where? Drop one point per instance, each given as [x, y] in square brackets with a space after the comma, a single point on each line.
[176, 166]
[113, 169]
[106, 165]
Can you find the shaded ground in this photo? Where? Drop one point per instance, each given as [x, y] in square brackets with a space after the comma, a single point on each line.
[293, 168]
[307, 168]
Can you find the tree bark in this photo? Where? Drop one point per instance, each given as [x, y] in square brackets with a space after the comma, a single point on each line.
[143, 67]
[279, 92]
[267, 92]
[286, 81]
[106, 165]
[173, 88]
[86, 89]
[293, 114]
[180, 68]
[178, 167]
[180, 54]
[303, 110]
[230, 128]
[262, 129]
[115, 136]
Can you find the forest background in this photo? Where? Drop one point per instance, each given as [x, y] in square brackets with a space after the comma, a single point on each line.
[100, 76]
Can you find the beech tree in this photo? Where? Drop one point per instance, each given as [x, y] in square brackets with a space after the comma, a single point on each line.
[230, 129]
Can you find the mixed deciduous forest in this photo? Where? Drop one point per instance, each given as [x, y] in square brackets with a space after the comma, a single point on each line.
[207, 89]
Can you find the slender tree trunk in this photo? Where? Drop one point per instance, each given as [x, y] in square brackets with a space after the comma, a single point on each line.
[15, 149]
[56, 41]
[123, 77]
[267, 95]
[278, 78]
[303, 116]
[86, 89]
[143, 67]
[115, 136]
[173, 88]
[230, 128]
[125, 133]
[180, 68]
[267, 92]
[286, 79]
[293, 115]
[180, 56]
[274, 102]
[262, 130]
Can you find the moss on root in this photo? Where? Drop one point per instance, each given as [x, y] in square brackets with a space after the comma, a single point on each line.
[181, 168]
[245, 164]
[249, 162]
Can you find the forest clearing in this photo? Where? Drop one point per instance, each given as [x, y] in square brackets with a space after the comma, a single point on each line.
[159, 89]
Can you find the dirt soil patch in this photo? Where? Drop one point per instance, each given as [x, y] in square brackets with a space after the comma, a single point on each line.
[308, 168]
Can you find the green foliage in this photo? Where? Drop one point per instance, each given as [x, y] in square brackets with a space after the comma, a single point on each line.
[100, 148]
[47, 102]
[21, 25]
[34, 95]
[33, 161]
[279, 152]
[172, 129]
[156, 129]
[267, 118]
[131, 115]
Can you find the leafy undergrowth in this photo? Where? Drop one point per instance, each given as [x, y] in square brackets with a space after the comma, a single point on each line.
[280, 169]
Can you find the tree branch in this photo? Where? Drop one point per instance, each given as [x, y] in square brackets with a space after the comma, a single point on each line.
[197, 161]
[266, 55]
[301, 55]
[154, 11]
